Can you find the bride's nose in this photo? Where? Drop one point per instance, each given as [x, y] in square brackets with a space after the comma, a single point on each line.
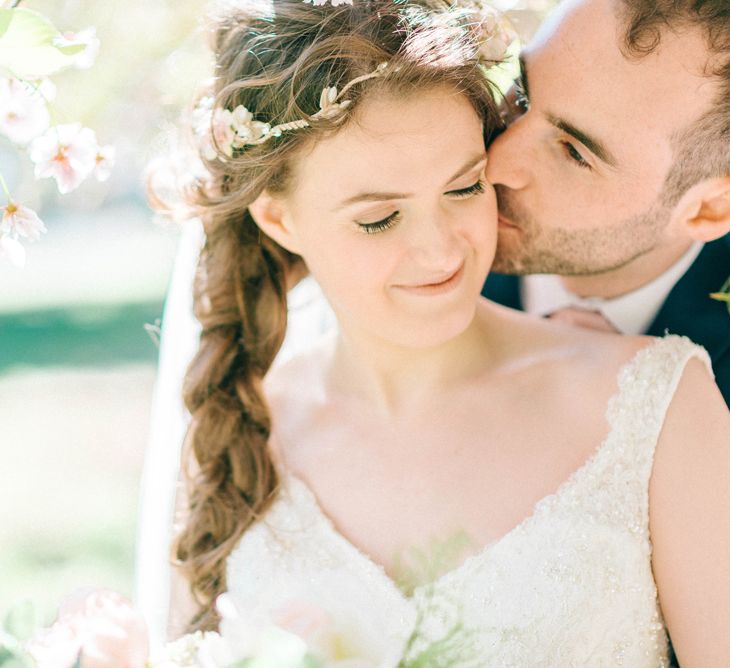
[434, 242]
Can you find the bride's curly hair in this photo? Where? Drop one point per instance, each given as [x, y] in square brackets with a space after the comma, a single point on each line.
[275, 59]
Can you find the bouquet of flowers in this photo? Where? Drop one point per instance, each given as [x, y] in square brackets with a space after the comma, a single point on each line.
[101, 629]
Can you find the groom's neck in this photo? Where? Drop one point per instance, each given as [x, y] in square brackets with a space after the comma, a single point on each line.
[631, 276]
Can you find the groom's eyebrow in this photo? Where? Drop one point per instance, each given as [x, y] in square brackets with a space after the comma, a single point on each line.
[591, 143]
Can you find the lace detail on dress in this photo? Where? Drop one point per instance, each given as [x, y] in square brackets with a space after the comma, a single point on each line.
[571, 585]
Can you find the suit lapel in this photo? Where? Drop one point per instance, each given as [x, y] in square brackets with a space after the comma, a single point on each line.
[688, 310]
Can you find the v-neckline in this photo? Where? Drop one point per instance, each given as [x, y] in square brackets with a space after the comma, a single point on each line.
[473, 560]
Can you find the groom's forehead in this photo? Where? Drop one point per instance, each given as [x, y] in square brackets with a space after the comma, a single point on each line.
[578, 65]
[582, 27]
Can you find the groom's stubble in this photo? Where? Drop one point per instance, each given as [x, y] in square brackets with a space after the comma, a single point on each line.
[529, 248]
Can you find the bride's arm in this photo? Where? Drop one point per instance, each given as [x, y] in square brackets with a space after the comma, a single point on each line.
[690, 521]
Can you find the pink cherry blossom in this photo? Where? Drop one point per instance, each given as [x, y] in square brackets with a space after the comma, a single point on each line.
[105, 158]
[23, 111]
[223, 132]
[67, 153]
[87, 38]
[20, 221]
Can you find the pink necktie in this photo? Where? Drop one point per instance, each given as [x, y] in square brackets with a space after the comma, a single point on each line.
[579, 317]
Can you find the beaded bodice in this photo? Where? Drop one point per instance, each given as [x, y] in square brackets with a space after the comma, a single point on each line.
[571, 585]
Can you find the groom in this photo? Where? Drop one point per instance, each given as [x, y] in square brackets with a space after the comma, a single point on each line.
[613, 180]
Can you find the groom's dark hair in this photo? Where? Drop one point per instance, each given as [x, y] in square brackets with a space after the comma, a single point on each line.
[702, 150]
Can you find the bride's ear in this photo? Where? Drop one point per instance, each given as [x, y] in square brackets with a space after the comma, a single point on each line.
[272, 216]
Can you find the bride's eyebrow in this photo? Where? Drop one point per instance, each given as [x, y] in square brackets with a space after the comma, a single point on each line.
[380, 196]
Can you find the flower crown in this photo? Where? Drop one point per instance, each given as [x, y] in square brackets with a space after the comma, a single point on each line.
[238, 128]
[220, 129]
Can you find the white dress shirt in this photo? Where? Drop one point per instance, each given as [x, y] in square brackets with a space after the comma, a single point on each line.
[632, 313]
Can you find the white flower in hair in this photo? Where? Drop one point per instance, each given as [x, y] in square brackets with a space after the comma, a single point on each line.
[497, 33]
[246, 129]
[328, 105]
[229, 130]
[223, 133]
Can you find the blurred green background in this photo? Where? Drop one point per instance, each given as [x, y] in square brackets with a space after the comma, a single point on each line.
[78, 323]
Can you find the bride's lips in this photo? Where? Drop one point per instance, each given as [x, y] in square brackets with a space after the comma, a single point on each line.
[440, 286]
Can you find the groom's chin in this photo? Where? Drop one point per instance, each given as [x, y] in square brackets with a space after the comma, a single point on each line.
[508, 260]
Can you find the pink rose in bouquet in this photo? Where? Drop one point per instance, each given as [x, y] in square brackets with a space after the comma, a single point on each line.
[101, 630]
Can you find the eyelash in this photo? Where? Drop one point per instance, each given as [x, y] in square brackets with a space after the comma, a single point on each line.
[382, 225]
[574, 156]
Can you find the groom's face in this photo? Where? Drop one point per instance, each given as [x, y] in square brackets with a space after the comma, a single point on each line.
[580, 175]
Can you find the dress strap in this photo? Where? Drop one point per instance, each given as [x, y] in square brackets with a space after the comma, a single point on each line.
[636, 413]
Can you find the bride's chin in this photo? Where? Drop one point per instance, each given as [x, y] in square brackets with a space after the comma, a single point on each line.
[433, 333]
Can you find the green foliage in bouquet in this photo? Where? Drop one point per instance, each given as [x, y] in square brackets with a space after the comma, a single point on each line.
[19, 625]
[255, 662]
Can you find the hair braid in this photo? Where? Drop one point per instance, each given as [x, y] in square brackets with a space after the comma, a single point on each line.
[243, 314]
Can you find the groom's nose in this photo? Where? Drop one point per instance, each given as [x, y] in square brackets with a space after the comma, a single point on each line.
[509, 157]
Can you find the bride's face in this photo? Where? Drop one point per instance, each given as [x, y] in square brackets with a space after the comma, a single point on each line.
[395, 219]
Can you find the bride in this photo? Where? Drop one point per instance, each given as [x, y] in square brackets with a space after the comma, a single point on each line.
[584, 475]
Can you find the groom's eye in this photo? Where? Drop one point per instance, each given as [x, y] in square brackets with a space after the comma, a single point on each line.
[574, 155]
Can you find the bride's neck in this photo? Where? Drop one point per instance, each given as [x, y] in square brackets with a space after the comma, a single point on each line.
[394, 379]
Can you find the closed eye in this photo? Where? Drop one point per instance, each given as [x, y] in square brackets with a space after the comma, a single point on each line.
[380, 225]
[475, 189]
[388, 222]
[574, 155]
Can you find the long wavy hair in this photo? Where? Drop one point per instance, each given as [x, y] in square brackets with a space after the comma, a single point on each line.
[275, 59]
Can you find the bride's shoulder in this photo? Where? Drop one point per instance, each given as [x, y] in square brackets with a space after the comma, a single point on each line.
[290, 373]
[579, 348]
[295, 390]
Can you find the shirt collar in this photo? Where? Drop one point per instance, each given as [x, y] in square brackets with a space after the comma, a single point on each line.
[631, 313]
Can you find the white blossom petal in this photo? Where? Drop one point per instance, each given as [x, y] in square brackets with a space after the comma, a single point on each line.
[105, 157]
[67, 153]
[12, 250]
[86, 38]
[23, 111]
[21, 221]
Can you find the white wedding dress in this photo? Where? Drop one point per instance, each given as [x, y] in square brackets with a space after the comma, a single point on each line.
[571, 585]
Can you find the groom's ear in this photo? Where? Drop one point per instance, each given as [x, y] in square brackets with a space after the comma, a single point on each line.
[272, 216]
[704, 210]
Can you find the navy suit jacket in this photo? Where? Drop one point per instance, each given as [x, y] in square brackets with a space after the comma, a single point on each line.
[688, 310]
